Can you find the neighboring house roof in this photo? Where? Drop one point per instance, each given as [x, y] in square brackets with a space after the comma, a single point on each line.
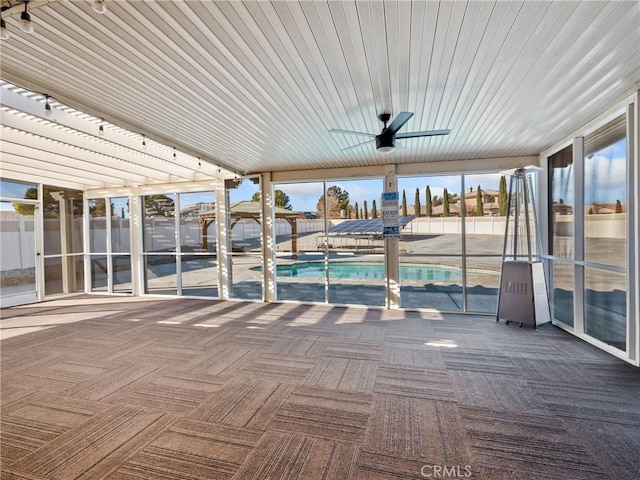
[250, 209]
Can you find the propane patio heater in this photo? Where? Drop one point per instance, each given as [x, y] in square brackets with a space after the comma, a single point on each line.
[523, 296]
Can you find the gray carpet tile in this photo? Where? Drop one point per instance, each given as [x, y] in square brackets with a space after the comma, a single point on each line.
[188, 389]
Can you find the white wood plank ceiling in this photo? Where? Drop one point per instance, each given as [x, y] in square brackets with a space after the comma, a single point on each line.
[255, 86]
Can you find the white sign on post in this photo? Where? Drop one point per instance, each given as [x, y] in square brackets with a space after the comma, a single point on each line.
[390, 225]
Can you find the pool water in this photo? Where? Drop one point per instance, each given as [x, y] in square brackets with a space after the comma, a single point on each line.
[363, 271]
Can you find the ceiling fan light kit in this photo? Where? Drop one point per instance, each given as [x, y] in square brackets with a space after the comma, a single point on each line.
[386, 139]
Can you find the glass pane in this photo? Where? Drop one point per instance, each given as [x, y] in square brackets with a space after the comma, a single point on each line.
[120, 225]
[431, 245]
[562, 287]
[161, 277]
[605, 306]
[299, 240]
[97, 226]
[99, 273]
[197, 222]
[62, 216]
[121, 268]
[605, 191]
[64, 275]
[356, 254]
[200, 275]
[18, 190]
[486, 210]
[17, 249]
[246, 276]
[245, 240]
[159, 223]
[561, 203]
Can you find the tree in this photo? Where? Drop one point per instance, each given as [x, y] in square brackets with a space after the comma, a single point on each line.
[23, 208]
[374, 209]
[445, 203]
[281, 199]
[337, 202]
[361, 214]
[404, 203]
[502, 197]
[429, 206]
[479, 205]
[416, 204]
[357, 212]
[159, 205]
[366, 211]
[618, 206]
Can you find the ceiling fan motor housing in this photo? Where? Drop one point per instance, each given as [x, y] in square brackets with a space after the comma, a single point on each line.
[386, 141]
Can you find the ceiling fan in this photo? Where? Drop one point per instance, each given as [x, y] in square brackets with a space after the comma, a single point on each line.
[386, 139]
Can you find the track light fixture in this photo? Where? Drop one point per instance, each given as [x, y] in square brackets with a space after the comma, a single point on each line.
[99, 6]
[25, 19]
[174, 153]
[47, 107]
[4, 33]
[199, 163]
[101, 129]
[144, 142]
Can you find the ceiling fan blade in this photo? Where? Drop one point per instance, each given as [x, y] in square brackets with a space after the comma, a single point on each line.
[356, 145]
[426, 133]
[399, 121]
[351, 132]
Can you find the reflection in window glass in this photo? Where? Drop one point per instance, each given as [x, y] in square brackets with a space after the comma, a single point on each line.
[120, 225]
[605, 194]
[97, 226]
[121, 268]
[62, 217]
[159, 223]
[605, 306]
[18, 190]
[160, 274]
[562, 292]
[99, 273]
[561, 203]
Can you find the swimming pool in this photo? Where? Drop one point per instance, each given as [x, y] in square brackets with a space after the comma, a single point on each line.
[364, 271]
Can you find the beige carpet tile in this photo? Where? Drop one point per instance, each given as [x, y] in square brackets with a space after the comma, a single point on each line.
[496, 392]
[115, 383]
[415, 428]
[24, 357]
[366, 333]
[279, 368]
[343, 374]
[244, 402]
[588, 401]
[324, 413]
[11, 392]
[527, 443]
[166, 354]
[412, 355]
[11, 474]
[414, 382]
[97, 446]
[191, 450]
[177, 392]
[375, 466]
[286, 456]
[225, 359]
[38, 419]
[353, 349]
[255, 337]
[297, 345]
[478, 360]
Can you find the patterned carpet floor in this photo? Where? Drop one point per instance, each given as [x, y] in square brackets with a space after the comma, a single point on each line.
[139, 388]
